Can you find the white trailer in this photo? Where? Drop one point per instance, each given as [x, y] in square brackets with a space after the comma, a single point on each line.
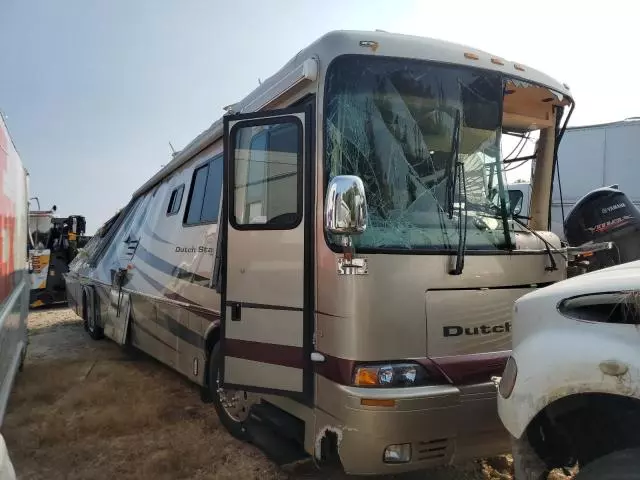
[14, 281]
[590, 157]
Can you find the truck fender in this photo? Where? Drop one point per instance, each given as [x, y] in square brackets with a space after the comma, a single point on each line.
[554, 364]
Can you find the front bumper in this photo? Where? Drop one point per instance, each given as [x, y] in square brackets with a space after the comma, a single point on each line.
[443, 424]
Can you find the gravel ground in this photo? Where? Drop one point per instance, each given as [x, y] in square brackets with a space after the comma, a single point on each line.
[87, 410]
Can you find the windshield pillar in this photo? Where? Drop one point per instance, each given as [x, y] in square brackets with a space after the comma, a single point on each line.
[542, 180]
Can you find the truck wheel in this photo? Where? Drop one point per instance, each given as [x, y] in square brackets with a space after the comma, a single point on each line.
[95, 331]
[620, 465]
[231, 406]
[90, 325]
[526, 464]
[23, 356]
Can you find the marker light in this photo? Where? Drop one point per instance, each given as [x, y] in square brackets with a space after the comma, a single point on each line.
[508, 380]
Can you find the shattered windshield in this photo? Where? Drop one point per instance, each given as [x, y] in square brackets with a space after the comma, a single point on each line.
[401, 126]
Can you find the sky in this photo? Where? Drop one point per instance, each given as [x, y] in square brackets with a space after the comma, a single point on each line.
[94, 91]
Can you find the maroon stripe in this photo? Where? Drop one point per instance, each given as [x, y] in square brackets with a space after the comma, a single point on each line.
[284, 355]
[336, 369]
[209, 315]
[458, 370]
[473, 368]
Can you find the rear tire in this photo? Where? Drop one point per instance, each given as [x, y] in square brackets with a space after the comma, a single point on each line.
[94, 330]
[620, 465]
[233, 426]
[23, 357]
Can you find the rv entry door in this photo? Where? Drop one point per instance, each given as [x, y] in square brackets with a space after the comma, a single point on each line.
[267, 266]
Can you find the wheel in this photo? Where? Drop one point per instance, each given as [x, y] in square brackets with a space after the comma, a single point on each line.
[94, 330]
[620, 465]
[23, 356]
[231, 406]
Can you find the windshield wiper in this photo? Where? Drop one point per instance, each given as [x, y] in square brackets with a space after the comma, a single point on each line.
[462, 219]
[458, 175]
[452, 165]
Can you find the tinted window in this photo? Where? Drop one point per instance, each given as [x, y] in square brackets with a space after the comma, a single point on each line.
[213, 190]
[197, 195]
[266, 173]
[175, 200]
[204, 202]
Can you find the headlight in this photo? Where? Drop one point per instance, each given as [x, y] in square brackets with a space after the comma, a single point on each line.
[390, 375]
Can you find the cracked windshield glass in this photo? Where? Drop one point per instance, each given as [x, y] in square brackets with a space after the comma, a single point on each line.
[425, 140]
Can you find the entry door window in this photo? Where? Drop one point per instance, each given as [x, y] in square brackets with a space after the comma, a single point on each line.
[267, 172]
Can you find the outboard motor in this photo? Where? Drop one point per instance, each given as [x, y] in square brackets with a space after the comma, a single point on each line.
[605, 215]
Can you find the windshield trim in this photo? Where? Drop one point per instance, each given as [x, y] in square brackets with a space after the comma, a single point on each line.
[492, 250]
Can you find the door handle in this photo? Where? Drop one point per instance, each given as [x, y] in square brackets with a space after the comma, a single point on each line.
[235, 312]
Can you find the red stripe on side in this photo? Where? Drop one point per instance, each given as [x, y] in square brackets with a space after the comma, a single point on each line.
[7, 226]
[458, 370]
[284, 355]
[473, 368]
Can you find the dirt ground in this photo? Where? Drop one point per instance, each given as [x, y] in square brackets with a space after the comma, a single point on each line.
[89, 410]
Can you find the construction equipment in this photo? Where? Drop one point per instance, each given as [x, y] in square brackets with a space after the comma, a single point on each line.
[53, 244]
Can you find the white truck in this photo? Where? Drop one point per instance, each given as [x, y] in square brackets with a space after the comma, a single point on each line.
[589, 157]
[570, 393]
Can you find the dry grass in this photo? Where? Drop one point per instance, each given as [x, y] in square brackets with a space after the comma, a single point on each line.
[86, 410]
[80, 418]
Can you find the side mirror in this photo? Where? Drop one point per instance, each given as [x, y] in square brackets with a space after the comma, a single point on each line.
[345, 206]
[516, 199]
[517, 208]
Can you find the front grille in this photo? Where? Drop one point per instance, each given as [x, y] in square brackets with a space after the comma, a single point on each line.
[434, 450]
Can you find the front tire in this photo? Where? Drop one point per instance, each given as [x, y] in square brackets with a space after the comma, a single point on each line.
[232, 418]
[619, 465]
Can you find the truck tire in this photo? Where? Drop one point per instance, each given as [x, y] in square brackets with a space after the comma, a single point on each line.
[94, 330]
[619, 465]
[232, 424]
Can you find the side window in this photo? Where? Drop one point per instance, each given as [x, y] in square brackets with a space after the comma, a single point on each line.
[213, 192]
[206, 189]
[267, 173]
[175, 200]
[194, 208]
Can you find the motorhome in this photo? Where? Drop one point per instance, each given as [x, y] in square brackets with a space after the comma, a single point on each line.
[14, 280]
[335, 257]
